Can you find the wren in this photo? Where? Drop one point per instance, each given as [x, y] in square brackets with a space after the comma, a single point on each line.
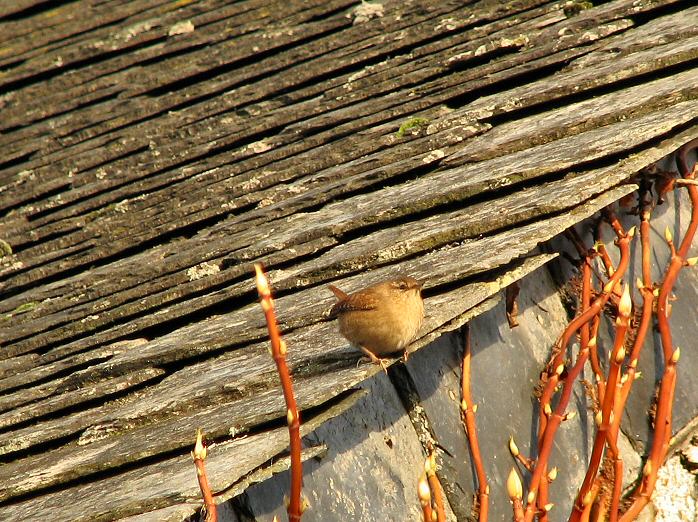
[381, 319]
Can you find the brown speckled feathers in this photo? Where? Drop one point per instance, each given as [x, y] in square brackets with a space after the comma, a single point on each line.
[353, 302]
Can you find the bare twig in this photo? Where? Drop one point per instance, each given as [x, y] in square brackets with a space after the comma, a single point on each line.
[435, 487]
[468, 409]
[549, 419]
[512, 305]
[665, 396]
[515, 492]
[199, 455]
[278, 347]
[425, 498]
[606, 418]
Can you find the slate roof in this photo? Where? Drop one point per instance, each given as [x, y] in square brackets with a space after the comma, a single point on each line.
[153, 150]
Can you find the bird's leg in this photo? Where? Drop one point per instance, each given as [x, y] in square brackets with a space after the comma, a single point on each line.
[375, 360]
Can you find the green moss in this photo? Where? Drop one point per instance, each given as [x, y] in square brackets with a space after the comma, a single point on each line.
[575, 7]
[5, 248]
[23, 308]
[410, 125]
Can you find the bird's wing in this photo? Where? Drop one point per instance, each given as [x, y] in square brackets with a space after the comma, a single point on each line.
[354, 302]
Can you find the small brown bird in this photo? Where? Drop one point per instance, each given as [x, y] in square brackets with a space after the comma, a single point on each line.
[381, 319]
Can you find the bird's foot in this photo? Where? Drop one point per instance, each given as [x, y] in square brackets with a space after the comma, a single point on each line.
[383, 363]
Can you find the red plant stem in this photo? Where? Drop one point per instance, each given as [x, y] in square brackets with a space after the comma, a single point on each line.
[551, 427]
[586, 315]
[657, 453]
[199, 455]
[425, 498]
[608, 394]
[640, 337]
[612, 442]
[607, 405]
[646, 245]
[584, 337]
[665, 399]
[597, 305]
[278, 348]
[613, 221]
[647, 306]
[435, 487]
[559, 414]
[643, 328]
[692, 193]
[662, 429]
[645, 291]
[675, 265]
[584, 332]
[594, 354]
[596, 365]
[586, 514]
[525, 462]
[546, 398]
[548, 426]
[468, 418]
[517, 506]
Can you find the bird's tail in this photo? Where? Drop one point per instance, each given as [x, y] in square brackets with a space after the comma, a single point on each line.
[338, 293]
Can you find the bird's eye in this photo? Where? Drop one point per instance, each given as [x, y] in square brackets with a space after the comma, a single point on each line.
[402, 285]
